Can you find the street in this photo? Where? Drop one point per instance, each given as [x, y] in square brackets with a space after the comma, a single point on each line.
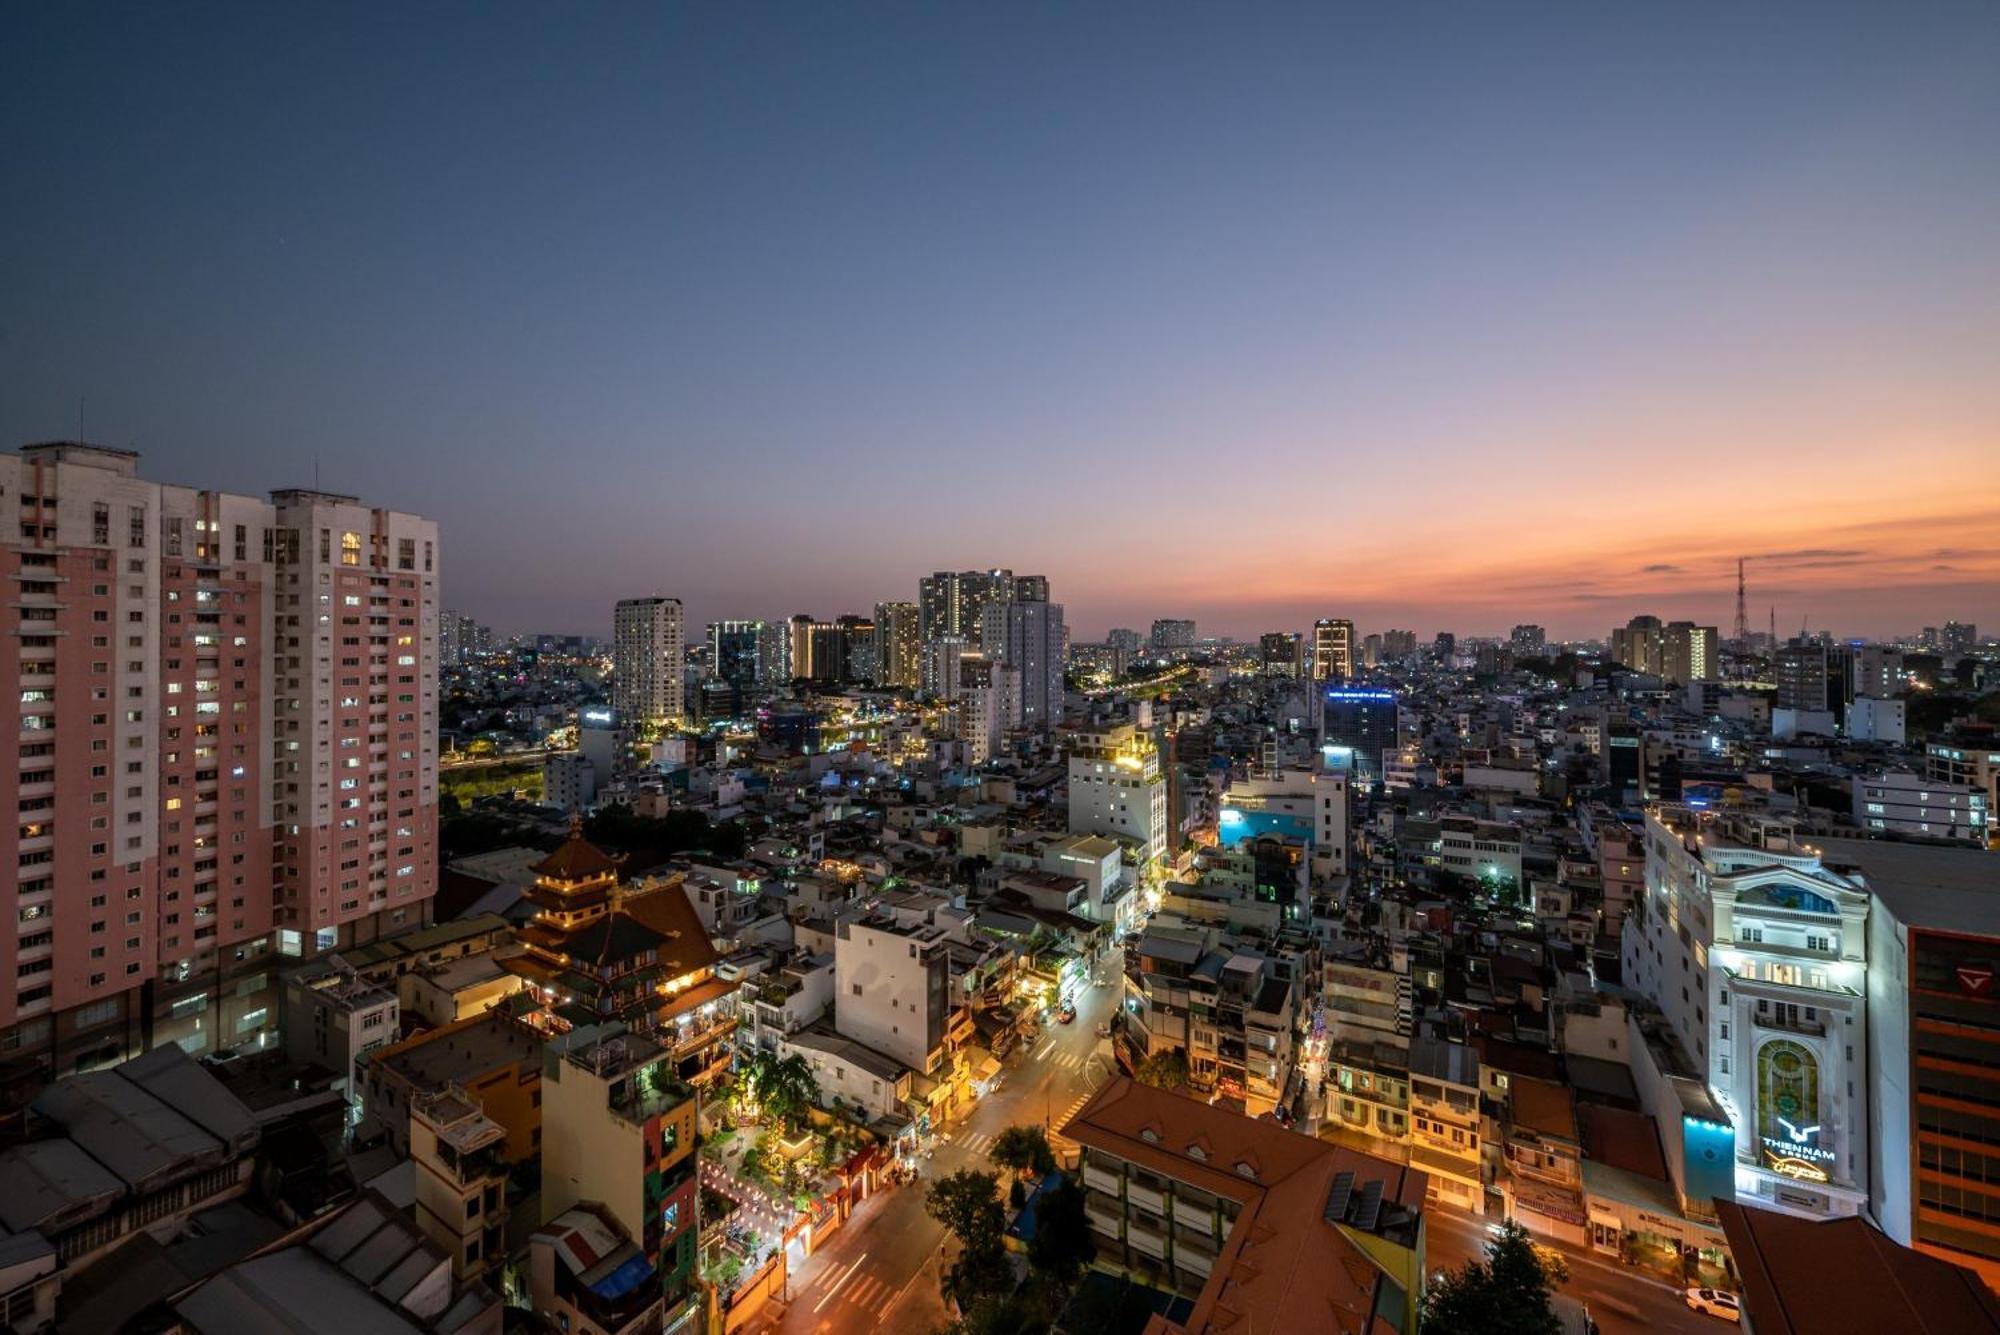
[881, 1267]
[1620, 1298]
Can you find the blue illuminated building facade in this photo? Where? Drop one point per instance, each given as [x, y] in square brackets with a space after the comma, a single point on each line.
[1357, 726]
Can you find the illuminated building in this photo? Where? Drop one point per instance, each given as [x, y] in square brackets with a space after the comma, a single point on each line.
[1358, 728]
[1528, 640]
[1170, 634]
[1971, 758]
[1679, 652]
[1026, 638]
[988, 700]
[1124, 638]
[1281, 653]
[1690, 653]
[1934, 1046]
[735, 647]
[892, 993]
[899, 641]
[1301, 804]
[1957, 639]
[941, 665]
[1757, 953]
[226, 709]
[598, 952]
[799, 647]
[1801, 671]
[618, 1130]
[1908, 804]
[1263, 1228]
[1636, 644]
[1333, 650]
[1116, 788]
[953, 603]
[647, 657]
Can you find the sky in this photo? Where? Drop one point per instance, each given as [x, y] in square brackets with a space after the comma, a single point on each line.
[1430, 317]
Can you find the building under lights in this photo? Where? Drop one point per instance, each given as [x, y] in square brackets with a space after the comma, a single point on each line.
[1757, 952]
[1116, 788]
[1332, 649]
[1358, 728]
[601, 953]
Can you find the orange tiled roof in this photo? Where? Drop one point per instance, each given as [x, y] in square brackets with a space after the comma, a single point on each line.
[1273, 1272]
[1785, 1262]
[577, 860]
[669, 912]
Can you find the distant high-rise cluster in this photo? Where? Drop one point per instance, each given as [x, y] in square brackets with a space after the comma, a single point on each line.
[1170, 634]
[1677, 651]
[461, 639]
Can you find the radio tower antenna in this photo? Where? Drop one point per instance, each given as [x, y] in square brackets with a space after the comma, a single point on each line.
[1742, 610]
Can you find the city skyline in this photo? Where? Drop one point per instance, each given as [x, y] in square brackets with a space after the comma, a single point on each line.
[1425, 324]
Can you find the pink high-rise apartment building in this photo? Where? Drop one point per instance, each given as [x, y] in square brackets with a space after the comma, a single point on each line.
[227, 753]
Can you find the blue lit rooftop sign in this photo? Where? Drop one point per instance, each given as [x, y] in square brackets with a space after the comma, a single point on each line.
[1359, 695]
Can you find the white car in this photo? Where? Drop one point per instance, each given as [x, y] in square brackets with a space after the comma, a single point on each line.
[1715, 1302]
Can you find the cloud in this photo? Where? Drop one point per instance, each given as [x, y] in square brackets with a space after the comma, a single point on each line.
[1808, 554]
[1944, 568]
[1661, 568]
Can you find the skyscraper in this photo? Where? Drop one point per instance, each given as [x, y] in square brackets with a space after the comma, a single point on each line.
[647, 656]
[1528, 640]
[1280, 653]
[1027, 637]
[736, 648]
[951, 603]
[899, 645]
[799, 656]
[1333, 650]
[1689, 653]
[1170, 634]
[274, 670]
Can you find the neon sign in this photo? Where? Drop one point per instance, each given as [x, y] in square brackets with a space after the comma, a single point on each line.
[1795, 1168]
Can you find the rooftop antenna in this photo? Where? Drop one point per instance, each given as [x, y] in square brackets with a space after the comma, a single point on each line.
[1774, 627]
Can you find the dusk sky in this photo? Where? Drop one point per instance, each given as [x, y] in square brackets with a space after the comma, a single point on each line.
[1429, 317]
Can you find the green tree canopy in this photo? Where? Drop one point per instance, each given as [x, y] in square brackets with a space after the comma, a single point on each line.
[1163, 1070]
[1507, 1293]
[1023, 1149]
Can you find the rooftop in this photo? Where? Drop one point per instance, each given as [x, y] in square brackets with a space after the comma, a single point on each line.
[462, 1052]
[1785, 1262]
[1923, 885]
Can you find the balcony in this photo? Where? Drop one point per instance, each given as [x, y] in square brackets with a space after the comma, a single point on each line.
[1145, 1238]
[1099, 1179]
[1192, 1218]
[1105, 1218]
[1145, 1197]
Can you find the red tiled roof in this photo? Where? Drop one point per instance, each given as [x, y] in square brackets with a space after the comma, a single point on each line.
[1812, 1277]
[577, 860]
[1273, 1272]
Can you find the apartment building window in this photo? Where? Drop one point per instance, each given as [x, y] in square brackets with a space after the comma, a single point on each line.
[100, 525]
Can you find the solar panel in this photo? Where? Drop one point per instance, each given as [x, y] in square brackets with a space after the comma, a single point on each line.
[1368, 1214]
[1337, 1197]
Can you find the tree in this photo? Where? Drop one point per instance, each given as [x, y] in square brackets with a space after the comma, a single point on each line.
[1062, 1244]
[1163, 1070]
[1023, 1149]
[1505, 1294]
[968, 1204]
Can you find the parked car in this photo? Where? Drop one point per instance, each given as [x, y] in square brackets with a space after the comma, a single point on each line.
[1067, 1015]
[1715, 1302]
